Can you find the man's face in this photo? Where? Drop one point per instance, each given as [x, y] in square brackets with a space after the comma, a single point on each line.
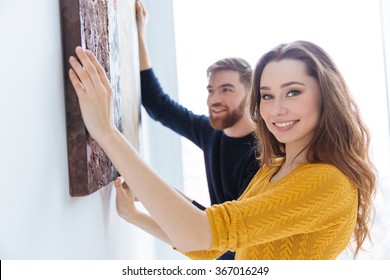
[226, 99]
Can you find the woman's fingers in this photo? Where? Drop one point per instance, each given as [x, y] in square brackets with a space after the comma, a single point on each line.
[82, 75]
[122, 186]
[78, 86]
[88, 67]
[118, 183]
[99, 69]
[127, 189]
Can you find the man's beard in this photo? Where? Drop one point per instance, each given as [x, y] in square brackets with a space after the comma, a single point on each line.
[228, 119]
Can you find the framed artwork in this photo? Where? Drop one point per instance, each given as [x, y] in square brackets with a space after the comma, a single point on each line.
[108, 28]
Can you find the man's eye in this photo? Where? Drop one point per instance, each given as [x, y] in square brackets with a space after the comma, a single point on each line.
[226, 90]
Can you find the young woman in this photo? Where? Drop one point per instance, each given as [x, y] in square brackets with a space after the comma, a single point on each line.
[313, 193]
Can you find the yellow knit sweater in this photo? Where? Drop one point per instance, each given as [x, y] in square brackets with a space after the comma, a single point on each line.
[309, 214]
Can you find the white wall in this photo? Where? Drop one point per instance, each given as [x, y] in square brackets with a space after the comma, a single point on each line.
[38, 218]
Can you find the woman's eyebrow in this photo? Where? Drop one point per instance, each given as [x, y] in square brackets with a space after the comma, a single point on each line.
[283, 85]
[291, 83]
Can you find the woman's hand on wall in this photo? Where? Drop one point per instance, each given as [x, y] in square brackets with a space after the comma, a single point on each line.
[94, 92]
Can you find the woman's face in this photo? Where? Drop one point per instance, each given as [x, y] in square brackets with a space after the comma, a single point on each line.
[290, 102]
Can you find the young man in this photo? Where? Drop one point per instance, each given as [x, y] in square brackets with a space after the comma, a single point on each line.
[226, 138]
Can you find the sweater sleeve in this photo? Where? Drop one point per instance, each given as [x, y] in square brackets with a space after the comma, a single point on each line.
[312, 200]
[169, 113]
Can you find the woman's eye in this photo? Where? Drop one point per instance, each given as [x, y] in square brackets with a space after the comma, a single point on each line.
[266, 96]
[293, 93]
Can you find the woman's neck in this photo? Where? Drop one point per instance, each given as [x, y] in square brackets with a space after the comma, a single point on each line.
[295, 156]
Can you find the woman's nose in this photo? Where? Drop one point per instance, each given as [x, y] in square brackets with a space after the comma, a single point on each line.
[278, 107]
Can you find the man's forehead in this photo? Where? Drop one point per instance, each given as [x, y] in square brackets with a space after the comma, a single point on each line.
[224, 77]
[225, 85]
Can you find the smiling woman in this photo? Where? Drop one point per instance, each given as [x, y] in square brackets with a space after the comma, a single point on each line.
[320, 124]
[290, 104]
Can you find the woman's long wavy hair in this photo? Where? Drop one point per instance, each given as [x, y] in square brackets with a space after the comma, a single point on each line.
[340, 139]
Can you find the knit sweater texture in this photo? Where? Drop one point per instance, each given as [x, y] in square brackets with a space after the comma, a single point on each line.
[308, 214]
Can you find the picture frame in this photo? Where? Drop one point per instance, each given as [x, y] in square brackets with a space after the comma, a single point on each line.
[108, 28]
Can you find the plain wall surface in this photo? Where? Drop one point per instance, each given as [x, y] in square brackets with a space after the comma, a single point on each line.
[38, 218]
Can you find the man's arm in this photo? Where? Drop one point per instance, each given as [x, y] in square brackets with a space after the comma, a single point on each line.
[142, 16]
[159, 105]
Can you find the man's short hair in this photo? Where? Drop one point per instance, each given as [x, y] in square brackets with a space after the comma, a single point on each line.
[235, 64]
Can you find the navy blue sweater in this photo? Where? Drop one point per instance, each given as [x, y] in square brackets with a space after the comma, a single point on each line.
[230, 162]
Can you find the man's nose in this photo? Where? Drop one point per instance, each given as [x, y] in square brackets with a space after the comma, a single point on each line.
[215, 98]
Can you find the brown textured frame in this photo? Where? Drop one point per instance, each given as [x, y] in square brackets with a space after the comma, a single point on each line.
[101, 26]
